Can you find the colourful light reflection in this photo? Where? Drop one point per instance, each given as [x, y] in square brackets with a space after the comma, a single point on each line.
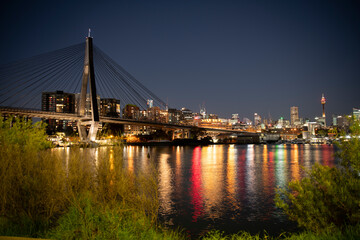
[327, 155]
[231, 174]
[212, 176]
[165, 184]
[196, 188]
[280, 168]
[250, 174]
[130, 155]
[178, 169]
[295, 167]
[265, 169]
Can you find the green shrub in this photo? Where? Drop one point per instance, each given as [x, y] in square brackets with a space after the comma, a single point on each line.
[328, 198]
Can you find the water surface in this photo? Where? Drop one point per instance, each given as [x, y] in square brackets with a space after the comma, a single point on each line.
[224, 187]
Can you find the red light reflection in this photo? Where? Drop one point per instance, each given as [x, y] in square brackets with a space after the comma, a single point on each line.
[196, 188]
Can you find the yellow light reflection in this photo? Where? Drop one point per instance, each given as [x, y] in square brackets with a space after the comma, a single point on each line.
[295, 167]
[130, 155]
[265, 169]
[111, 159]
[213, 180]
[178, 175]
[231, 173]
[165, 184]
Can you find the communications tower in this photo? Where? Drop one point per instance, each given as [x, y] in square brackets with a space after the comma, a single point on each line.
[323, 101]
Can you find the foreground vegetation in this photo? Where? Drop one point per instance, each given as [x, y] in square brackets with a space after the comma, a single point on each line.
[43, 195]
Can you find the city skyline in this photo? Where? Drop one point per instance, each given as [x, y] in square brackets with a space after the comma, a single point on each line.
[234, 57]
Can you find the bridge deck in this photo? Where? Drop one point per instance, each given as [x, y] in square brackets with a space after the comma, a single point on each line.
[75, 117]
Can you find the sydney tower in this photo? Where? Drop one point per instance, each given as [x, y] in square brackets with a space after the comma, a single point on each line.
[323, 101]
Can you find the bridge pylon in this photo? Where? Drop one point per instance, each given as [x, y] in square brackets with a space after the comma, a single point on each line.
[88, 78]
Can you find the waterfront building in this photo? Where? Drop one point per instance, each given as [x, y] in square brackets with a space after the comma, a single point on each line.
[321, 121]
[235, 119]
[174, 115]
[60, 102]
[136, 130]
[187, 114]
[109, 107]
[294, 116]
[144, 114]
[164, 116]
[282, 123]
[154, 114]
[131, 111]
[257, 119]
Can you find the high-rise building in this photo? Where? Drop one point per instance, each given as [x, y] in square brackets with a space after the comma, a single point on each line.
[174, 115]
[131, 111]
[59, 102]
[257, 119]
[294, 115]
[187, 114]
[109, 107]
[150, 103]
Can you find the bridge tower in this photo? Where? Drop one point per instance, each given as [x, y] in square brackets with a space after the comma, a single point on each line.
[88, 78]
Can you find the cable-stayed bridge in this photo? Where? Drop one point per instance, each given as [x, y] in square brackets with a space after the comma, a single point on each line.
[82, 68]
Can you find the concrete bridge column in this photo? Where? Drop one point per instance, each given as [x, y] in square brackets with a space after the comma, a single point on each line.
[188, 133]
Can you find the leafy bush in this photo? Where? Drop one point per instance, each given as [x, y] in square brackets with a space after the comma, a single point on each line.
[328, 198]
[350, 147]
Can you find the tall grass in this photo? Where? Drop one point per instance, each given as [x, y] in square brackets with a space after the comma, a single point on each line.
[82, 196]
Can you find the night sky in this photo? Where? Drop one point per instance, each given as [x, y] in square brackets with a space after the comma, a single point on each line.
[233, 56]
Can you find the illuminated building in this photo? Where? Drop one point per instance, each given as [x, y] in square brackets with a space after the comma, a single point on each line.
[131, 111]
[257, 119]
[203, 112]
[247, 121]
[174, 115]
[235, 119]
[109, 107]
[154, 114]
[164, 116]
[294, 115]
[59, 102]
[321, 121]
[150, 103]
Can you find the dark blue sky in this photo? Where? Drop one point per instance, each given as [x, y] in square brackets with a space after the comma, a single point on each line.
[234, 56]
